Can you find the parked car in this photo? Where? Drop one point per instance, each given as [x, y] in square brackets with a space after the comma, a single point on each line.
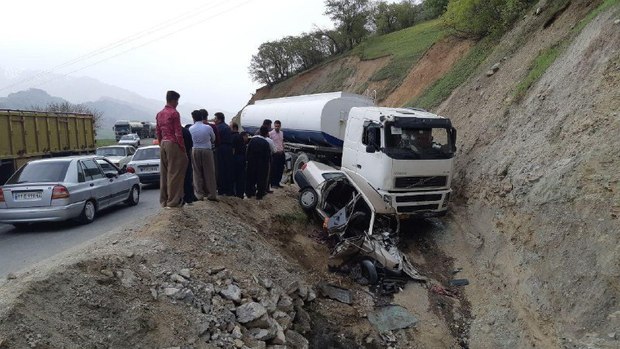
[119, 155]
[145, 164]
[65, 188]
[130, 139]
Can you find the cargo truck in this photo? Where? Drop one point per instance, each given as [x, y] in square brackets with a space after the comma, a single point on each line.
[124, 127]
[27, 135]
[406, 155]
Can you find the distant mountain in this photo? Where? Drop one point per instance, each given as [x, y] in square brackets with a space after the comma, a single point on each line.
[28, 99]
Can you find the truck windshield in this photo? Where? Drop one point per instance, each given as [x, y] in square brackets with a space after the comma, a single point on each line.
[417, 143]
[121, 128]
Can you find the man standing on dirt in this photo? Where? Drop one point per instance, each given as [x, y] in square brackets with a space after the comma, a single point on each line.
[239, 141]
[278, 158]
[173, 158]
[188, 183]
[202, 156]
[258, 158]
[224, 155]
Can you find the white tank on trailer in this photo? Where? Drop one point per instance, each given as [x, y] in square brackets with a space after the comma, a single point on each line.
[318, 119]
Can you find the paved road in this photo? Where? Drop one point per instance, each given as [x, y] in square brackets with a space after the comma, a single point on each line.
[21, 249]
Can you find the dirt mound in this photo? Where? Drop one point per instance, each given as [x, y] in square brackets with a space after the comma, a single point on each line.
[433, 65]
[181, 280]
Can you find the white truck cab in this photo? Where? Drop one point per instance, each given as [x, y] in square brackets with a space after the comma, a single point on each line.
[407, 155]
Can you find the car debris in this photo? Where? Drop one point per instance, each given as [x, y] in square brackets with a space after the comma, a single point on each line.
[459, 282]
[392, 317]
[363, 224]
[336, 293]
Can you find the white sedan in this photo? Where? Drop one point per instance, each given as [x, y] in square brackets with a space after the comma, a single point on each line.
[145, 163]
[130, 139]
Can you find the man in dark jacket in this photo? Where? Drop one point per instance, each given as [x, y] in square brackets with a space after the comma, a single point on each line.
[224, 155]
[258, 158]
[188, 185]
[239, 141]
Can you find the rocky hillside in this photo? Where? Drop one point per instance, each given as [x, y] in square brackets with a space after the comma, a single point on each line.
[538, 170]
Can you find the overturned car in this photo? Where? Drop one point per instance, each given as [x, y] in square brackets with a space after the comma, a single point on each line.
[365, 225]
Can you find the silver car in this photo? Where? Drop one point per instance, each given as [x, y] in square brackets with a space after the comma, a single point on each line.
[145, 163]
[59, 189]
[130, 139]
[120, 155]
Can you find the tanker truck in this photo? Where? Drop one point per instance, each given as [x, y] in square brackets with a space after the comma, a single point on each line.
[406, 155]
[123, 127]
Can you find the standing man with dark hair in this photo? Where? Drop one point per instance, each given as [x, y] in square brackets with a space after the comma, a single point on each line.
[173, 158]
[258, 157]
[239, 141]
[224, 155]
[278, 158]
[188, 183]
[204, 166]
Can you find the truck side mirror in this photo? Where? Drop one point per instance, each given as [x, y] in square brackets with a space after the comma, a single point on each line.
[453, 139]
[371, 148]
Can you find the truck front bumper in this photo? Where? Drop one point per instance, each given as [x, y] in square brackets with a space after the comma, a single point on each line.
[419, 204]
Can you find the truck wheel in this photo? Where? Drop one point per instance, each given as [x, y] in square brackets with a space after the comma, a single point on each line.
[134, 196]
[301, 159]
[369, 271]
[88, 212]
[308, 199]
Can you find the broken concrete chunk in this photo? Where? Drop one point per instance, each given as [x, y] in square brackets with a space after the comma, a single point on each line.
[232, 292]
[185, 273]
[334, 292]
[216, 270]
[262, 334]
[283, 319]
[261, 322]
[171, 291]
[279, 339]
[391, 318]
[285, 303]
[295, 340]
[292, 287]
[266, 283]
[178, 278]
[250, 312]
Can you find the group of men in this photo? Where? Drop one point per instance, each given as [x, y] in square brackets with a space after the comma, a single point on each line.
[204, 160]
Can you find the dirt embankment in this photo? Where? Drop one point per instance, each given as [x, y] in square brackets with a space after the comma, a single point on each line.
[182, 279]
[536, 213]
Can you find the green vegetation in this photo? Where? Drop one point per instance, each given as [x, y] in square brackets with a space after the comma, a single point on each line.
[104, 142]
[461, 71]
[546, 57]
[406, 47]
[292, 217]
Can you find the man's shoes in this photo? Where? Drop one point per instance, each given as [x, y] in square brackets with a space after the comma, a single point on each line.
[269, 191]
[213, 199]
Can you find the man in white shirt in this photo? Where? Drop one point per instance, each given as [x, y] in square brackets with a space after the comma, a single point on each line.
[277, 159]
[202, 156]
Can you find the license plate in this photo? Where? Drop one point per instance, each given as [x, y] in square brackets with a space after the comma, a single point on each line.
[150, 169]
[27, 195]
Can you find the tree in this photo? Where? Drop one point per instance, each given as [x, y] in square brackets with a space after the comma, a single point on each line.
[433, 8]
[351, 17]
[479, 18]
[66, 107]
[390, 17]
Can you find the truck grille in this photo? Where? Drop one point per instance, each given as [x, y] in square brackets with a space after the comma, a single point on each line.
[407, 209]
[421, 182]
[418, 198]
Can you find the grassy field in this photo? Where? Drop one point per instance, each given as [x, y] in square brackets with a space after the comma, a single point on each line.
[406, 47]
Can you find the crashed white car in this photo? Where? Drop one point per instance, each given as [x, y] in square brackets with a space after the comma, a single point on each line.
[366, 225]
[120, 155]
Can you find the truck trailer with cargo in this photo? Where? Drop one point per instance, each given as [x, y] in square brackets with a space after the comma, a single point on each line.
[27, 135]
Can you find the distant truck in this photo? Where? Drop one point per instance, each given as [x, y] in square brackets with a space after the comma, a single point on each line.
[148, 130]
[124, 127]
[406, 155]
[27, 135]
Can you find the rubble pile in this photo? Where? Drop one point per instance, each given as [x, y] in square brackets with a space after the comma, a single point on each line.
[263, 315]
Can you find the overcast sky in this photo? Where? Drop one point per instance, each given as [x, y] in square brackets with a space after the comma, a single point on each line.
[207, 63]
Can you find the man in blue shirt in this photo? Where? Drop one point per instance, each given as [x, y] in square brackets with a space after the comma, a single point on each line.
[202, 156]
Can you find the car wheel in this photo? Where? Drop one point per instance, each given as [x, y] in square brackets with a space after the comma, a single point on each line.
[369, 271]
[88, 212]
[308, 199]
[134, 196]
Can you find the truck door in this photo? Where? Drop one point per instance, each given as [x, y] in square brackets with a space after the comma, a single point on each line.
[352, 143]
[369, 158]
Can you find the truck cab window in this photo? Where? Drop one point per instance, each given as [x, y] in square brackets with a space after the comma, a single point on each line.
[418, 143]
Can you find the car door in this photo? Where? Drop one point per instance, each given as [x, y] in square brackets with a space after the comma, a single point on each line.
[119, 189]
[98, 183]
